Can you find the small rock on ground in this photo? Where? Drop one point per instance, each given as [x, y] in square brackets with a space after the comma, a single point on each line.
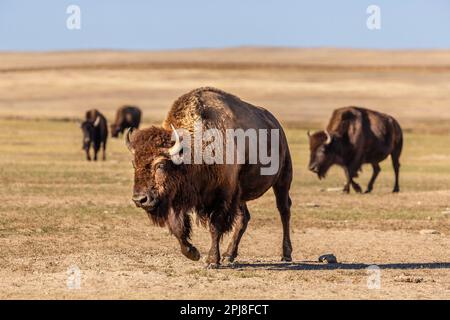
[429, 231]
[410, 279]
[328, 258]
[333, 189]
[312, 205]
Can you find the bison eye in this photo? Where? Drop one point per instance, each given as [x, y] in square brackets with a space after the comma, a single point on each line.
[161, 166]
[147, 166]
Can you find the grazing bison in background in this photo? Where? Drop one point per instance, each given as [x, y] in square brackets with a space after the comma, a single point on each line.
[95, 133]
[355, 136]
[126, 117]
[217, 193]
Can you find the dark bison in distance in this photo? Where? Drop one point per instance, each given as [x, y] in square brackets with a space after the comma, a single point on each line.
[126, 117]
[217, 193]
[355, 136]
[95, 133]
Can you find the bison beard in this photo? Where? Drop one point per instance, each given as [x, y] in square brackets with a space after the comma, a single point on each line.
[217, 193]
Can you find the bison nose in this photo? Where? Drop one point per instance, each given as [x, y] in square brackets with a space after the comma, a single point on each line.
[146, 201]
[140, 199]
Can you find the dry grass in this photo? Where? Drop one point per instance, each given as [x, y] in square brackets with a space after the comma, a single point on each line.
[57, 210]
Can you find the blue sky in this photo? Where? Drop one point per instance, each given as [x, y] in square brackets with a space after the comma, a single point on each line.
[173, 24]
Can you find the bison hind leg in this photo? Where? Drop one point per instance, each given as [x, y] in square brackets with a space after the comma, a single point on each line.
[376, 171]
[88, 156]
[240, 225]
[284, 203]
[396, 165]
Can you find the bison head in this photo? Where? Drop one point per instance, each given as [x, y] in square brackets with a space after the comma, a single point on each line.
[87, 127]
[156, 177]
[115, 130]
[322, 146]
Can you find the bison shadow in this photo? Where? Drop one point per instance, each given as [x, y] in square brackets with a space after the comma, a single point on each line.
[314, 265]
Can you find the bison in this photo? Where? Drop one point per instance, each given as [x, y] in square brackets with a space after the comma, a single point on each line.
[355, 136]
[95, 132]
[217, 193]
[126, 117]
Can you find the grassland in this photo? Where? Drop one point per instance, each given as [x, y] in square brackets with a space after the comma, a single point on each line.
[57, 210]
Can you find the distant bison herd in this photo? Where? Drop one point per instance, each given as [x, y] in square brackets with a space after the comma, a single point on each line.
[95, 128]
[169, 189]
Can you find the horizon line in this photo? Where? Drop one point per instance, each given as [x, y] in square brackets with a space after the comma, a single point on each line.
[243, 47]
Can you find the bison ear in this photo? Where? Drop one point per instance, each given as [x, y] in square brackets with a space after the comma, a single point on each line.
[128, 140]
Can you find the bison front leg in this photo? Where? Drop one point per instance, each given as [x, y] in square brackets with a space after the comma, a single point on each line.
[213, 260]
[96, 150]
[348, 181]
[88, 155]
[376, 171]
[221, 221]
[104, 151]
[180, 227]
[350, 174]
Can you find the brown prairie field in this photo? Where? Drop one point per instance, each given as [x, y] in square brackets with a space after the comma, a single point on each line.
[57, 210]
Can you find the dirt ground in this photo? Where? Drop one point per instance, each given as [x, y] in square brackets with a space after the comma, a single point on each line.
[60, 215]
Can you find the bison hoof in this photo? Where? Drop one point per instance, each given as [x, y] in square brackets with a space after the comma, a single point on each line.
[286, 259]
[212, 266]
[228, 259]
[368, 191]
[192, 253]
[357, 188]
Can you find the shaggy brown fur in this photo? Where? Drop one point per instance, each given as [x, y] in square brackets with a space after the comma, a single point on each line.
[358, 136]
[217, 193]
[126, 117]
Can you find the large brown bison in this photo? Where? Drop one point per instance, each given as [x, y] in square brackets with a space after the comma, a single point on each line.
[126, 117]
[355, 136]
[217, 193]
[95, 133]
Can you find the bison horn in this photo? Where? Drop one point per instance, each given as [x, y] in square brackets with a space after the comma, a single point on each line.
[97, 121]
[308, 133]
[329, 138]
[176, 148]
[128, 141]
